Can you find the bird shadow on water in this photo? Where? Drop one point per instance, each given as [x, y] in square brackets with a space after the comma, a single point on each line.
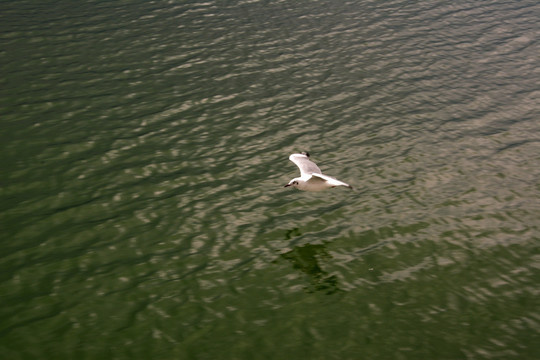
[306, 258]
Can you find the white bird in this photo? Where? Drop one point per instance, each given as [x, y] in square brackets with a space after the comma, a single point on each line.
[311, 178]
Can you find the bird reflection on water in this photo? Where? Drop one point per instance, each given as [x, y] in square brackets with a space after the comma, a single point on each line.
[306, 258]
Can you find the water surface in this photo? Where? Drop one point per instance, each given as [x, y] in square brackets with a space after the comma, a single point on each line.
[143, 156]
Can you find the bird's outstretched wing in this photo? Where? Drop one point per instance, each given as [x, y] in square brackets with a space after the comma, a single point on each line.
[307, 167]
[330, 180]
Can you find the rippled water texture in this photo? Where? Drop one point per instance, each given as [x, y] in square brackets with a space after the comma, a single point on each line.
[144, 149]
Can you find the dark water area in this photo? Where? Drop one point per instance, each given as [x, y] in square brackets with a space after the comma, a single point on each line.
[144, 149]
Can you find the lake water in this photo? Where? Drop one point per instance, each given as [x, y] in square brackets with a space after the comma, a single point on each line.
[144, 148]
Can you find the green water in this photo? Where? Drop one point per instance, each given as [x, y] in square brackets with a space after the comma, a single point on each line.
[144, 149]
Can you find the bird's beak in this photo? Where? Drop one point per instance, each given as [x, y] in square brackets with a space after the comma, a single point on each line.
[287, 185]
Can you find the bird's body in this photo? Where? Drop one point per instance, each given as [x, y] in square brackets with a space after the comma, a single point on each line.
[311, 178]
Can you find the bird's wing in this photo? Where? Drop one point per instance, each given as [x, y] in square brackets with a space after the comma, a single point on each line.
[307, 167]
[317, 178]
[332, 181]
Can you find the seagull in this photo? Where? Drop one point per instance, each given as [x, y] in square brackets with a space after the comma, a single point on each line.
[311, 178]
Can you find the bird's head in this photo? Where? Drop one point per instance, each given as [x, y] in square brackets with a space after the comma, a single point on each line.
[293, 183]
